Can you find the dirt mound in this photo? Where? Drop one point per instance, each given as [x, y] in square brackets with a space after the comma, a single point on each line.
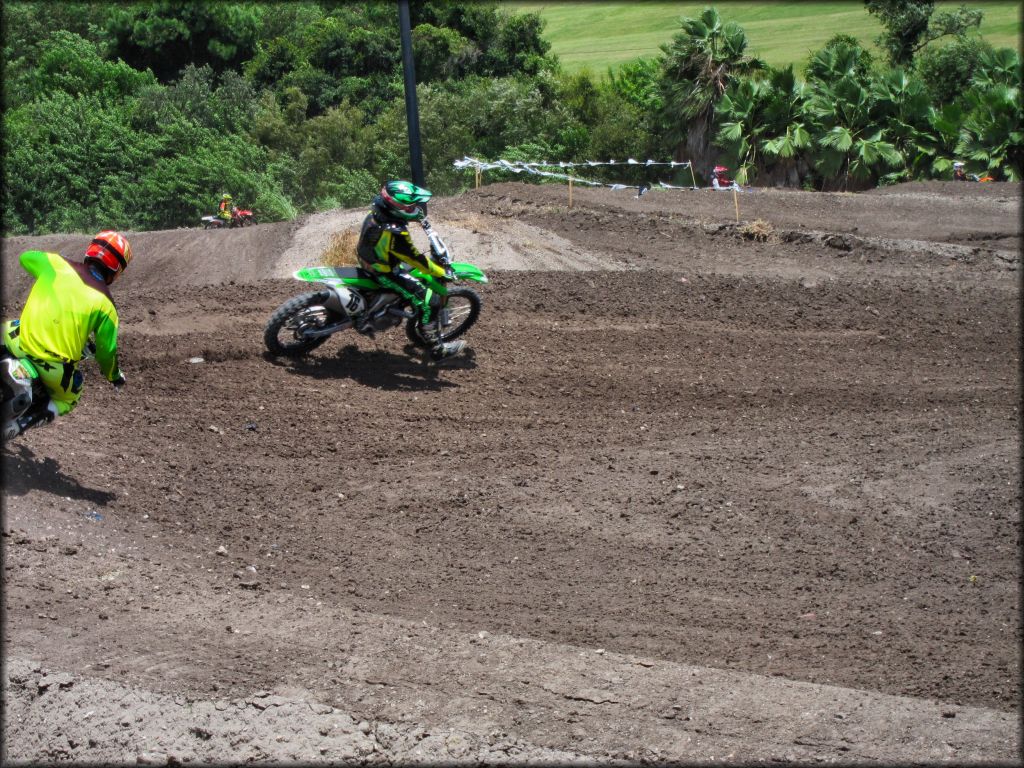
[955, 189]
[702, 490]
[530, 227]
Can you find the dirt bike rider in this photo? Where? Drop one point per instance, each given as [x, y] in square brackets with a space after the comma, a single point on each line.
[386, 251]
[67, 304]
[959, 174]
[720, 180]
[227, 209]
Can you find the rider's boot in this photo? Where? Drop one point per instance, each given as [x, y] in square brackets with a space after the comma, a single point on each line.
[29, 420]
[447, 350]
[361, 323]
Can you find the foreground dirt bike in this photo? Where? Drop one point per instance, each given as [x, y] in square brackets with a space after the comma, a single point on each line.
[305, 322]
[24, 396]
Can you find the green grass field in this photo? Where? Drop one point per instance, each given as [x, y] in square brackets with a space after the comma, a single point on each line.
[599, 35]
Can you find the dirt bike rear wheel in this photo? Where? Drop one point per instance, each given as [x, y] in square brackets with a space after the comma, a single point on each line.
[283, 334]
[463, 308]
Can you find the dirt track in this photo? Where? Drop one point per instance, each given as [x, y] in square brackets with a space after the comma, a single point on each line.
[702, 491]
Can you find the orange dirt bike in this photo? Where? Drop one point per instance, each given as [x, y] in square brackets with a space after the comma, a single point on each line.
[305, 322]
[240, 218]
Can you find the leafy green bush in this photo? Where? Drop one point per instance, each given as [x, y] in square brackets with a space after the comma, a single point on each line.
[74, 164]
[191, 168]
[69, 63]
[273, 205]
[946, 70]
[165, 36]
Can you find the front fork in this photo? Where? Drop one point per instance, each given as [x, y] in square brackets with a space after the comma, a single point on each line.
[438, 313]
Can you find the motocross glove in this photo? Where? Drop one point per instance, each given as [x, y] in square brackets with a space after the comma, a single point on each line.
[120, 381]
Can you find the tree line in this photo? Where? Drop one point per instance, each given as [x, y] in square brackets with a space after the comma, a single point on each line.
[139, 115]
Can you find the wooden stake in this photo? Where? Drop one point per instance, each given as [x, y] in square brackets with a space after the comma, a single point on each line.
[478, 174]
[694, 178]
[570, 191]
[736, 202]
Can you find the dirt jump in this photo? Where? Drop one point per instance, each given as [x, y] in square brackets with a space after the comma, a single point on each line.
[719, 479]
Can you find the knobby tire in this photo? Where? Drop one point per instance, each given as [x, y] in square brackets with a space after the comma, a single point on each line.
[471, 306]
[292, 311]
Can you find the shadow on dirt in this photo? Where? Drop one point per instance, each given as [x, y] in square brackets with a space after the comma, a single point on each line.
[24, 472]
[380, 369]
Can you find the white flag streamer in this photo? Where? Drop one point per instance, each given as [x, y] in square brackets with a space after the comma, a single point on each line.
[519, 166]
[469, 161]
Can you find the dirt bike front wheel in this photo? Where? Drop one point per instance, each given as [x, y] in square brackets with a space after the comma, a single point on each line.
[285, 331]
[459, 314]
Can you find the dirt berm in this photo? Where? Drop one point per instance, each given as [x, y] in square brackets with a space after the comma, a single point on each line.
[701, 490]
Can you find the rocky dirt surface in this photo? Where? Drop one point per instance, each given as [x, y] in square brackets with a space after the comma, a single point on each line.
[702, 490]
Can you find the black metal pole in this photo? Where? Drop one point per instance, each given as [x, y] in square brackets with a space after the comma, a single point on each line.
[412, 110]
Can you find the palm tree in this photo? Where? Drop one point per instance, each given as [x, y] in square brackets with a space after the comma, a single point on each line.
[740, 126]
[841, 56]
[697, 67]
[850, 137]
[991, 135]
[762, 126]
[1001, 65]
[932, 151]
[846, 116]
[787, 137]
[903, 106]
[991, 138]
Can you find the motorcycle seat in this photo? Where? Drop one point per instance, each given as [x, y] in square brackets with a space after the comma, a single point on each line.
[345, 272]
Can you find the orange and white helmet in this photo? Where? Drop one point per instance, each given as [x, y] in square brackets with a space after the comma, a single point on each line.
[109, 251]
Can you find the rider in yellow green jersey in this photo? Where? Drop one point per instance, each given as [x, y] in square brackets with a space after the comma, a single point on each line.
[386, 251]
[68, 304]
[226, 210]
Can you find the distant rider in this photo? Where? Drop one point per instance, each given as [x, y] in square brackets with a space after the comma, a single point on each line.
[958, 172]
[386, 250]
[720, 179]
[227, 210]
[67, 304]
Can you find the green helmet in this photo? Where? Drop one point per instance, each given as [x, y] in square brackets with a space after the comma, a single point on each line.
[402, 199]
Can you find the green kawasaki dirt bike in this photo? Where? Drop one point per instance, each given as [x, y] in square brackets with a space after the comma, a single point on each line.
[24, 396]
[305, 322]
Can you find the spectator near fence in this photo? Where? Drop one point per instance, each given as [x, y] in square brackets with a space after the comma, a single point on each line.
[719, 179]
